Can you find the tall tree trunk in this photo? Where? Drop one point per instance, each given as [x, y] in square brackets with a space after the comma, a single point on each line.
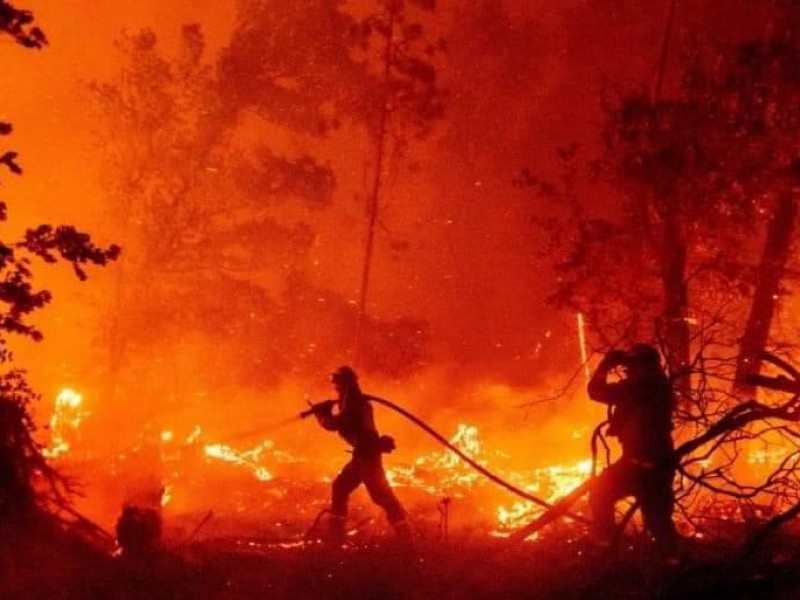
[375, 193]
[675, 324]
[675, 318]
[770, 272]
[664, 55]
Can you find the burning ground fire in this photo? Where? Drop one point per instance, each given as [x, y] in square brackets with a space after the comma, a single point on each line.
[437, 479]
[249, 458]
[68, 414]
[443, 474]
[427, 479]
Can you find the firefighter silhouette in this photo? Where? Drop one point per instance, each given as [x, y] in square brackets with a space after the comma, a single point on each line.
[355, 423]
[640, 416]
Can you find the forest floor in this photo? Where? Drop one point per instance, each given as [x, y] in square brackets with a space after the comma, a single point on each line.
[244, 569]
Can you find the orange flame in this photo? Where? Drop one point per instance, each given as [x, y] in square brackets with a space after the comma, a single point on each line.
[66, 419]
[249, 458]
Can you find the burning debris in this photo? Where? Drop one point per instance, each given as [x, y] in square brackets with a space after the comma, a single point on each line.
[181, 462]
[442, 489]
[68, 414]
[167, 464]
[176, 470]
[245, 255]
[250, 459]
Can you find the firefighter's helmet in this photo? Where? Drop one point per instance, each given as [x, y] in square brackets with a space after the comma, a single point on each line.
[345, 375]
[644, 354]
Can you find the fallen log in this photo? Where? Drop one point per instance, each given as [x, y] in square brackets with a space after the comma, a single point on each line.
[559, 509]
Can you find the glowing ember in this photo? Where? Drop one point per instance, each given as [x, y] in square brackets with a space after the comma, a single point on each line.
[66, 419]
[248, 458]
[443, 474]
[426, 479]
[166, 496]
[466, 439]
[551, 483]
[767, 456]
[193, 436]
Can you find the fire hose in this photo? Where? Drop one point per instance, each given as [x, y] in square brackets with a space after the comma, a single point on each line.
[463, 456]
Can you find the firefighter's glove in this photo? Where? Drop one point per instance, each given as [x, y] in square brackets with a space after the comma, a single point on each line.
[320, 410]
[386, 444]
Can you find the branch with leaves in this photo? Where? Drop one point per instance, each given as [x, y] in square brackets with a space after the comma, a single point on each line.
[29, 485]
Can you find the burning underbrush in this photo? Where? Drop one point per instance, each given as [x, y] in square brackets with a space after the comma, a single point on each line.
[274, 489]
[257, 488]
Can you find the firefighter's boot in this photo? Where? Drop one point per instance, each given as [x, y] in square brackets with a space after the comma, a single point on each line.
[336, 530]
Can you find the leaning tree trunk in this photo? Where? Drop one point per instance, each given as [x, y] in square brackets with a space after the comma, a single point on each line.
[770, 272]
[675, 317]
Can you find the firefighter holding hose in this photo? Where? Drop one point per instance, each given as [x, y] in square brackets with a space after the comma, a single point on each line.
[640, 417]
[354, 421]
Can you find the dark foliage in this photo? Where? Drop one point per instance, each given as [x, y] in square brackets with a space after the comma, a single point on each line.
[224, 223]
[19, 25]
[691, 183]
[696, 182]
[29, 487]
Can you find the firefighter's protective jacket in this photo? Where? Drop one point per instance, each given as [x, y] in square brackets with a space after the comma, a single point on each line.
[641, 414]
[355, 423]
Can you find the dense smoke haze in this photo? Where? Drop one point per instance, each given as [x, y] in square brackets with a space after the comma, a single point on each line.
[460, 275]
[458, 249]
[517, 275]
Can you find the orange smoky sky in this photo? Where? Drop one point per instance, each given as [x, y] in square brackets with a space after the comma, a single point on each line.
[456, 244]
[469, 263]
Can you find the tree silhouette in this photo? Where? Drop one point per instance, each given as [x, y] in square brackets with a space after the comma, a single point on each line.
[314, 65]
[685, 179]
[408, 103]
[695, 184]
[199, 208]
[219, 215]
[29, 486]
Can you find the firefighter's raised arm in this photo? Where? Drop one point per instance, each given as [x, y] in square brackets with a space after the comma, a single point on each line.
[328, 421]
[599, 389]
[325, 416]
[323, 411]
